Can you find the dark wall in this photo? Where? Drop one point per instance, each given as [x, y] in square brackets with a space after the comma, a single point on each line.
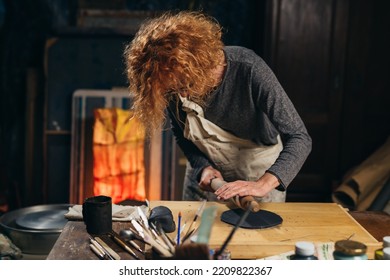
[25, 27]
[332, 59]
[366, 120]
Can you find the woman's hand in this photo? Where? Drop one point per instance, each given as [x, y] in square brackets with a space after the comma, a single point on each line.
[208, 174]
[259, 188]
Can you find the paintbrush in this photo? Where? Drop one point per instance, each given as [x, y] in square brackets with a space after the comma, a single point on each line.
[143, 222]
[197, 215]
[147, 237]
[178, 229]
[164, 236]
[240, 221]
[159, 239]
[162, 232]
[143, 217]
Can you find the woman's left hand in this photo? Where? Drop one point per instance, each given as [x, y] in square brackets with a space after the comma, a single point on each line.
[208, 174]
[258, 188]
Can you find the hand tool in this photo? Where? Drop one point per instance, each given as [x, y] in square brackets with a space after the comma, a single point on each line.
[243, 202]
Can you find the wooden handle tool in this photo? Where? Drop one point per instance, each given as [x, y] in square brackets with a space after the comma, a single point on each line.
[107, 249]
[244, 202]
[118, 239]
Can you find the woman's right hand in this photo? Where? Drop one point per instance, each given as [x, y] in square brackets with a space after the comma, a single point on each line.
[208, 174]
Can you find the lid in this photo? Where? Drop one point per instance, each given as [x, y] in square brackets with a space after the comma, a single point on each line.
[50, 219]
[304, 248]
[386, 253]
[350, 247]
[386, 241]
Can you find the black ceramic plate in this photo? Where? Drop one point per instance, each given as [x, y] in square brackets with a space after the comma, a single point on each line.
[255, 220]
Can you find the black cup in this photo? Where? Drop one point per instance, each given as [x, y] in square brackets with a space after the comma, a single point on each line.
[97, 214]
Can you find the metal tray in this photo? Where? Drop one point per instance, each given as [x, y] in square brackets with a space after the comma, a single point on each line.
[35, 229]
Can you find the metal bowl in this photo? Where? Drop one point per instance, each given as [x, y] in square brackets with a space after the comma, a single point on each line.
[35, 229]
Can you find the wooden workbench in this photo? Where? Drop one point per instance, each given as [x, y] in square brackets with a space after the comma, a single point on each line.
[315, 222]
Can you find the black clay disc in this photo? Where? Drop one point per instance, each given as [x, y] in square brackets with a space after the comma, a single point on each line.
[256, 220]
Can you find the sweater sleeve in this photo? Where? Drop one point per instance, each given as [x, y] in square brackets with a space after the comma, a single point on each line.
[274, 102]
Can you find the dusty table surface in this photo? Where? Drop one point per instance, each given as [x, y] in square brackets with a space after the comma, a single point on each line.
[73, 243]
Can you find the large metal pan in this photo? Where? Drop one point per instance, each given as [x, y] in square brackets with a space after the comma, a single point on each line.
[35, 229]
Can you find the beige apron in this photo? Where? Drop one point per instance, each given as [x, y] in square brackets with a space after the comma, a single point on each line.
[235, 158]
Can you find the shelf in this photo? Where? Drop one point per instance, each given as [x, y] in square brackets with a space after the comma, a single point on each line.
[57, 132]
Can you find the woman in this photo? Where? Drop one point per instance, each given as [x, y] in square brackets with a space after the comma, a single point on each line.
[228, 112]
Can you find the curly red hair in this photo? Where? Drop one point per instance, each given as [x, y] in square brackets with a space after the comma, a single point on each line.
[173, 53]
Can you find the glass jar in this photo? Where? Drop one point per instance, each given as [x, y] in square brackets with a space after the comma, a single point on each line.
[225, 255]
[379, 252]
[386, 253]
[350, 250]
[304, 251]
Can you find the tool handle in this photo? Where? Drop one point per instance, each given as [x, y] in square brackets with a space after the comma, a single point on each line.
[96, 251]
[244, 202]
[106, 248]
[123, 244]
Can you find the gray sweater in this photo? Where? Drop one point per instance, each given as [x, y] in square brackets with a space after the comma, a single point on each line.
[251, 104]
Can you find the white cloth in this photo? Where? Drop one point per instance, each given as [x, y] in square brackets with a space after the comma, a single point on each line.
[119, 212]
